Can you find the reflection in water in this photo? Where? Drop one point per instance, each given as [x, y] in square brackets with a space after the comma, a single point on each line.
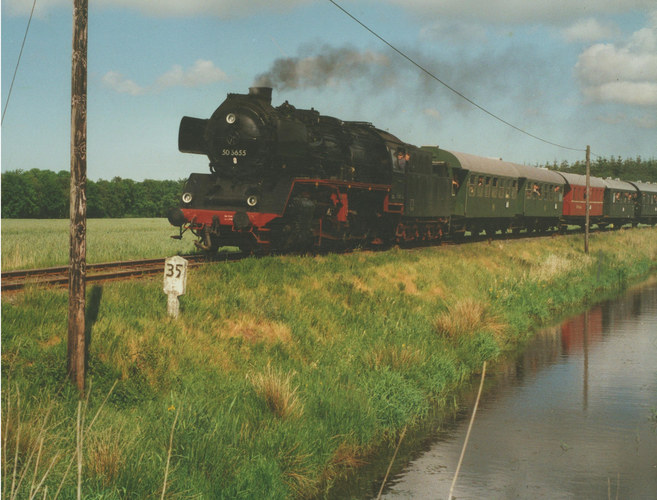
[572, 417]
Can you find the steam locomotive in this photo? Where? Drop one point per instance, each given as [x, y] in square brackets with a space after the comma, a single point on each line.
[287, 179]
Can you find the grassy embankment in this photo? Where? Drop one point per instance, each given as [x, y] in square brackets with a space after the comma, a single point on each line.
[281, 373]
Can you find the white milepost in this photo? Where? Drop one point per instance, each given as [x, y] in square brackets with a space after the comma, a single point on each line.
[175, 282]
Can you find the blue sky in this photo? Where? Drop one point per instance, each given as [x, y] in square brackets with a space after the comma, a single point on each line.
[573, 73]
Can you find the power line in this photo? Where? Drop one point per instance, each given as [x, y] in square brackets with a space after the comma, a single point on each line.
[431, 75]
[17, 63]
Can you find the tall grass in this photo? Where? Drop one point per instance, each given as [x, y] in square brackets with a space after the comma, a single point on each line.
[281, 373]
[467, 317]
[277, 392]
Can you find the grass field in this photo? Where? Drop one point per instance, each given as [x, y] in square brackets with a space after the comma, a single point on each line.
[281, 373]
[30, 243]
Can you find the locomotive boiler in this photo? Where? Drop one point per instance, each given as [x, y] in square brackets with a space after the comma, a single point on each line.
[283, 178]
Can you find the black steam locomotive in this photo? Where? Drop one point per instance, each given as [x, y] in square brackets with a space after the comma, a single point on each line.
[289, 179]
[284, 178]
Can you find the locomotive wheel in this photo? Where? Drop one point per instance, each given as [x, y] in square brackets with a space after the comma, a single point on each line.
[294, 231]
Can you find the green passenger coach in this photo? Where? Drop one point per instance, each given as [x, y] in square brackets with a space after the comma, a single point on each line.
[493, 195]
[619, 203]
[646, 206]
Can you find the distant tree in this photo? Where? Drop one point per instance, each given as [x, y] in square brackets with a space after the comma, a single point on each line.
[45, 194]
[19, 199]
[629, 169]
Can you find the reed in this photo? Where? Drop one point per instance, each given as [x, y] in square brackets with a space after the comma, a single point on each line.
[277, 392]
[466, 317]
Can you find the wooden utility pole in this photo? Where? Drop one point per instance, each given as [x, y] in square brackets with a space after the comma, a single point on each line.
[588, 198]
[78, 200]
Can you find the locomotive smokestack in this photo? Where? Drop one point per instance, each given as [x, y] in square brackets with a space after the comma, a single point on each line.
[191, 136]
[263, 93]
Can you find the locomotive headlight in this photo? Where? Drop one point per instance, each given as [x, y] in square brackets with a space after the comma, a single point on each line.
[252, 200]
[230, 118]
[187, 197]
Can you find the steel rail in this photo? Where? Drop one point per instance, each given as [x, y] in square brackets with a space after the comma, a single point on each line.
[106, 271]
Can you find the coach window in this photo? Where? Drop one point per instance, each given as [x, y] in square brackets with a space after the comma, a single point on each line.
[455, 183]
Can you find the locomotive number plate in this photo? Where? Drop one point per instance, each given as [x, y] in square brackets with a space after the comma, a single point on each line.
[233, 152]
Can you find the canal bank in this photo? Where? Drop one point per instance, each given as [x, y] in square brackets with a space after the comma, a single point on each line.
[574, 415]
[284, 374]
[571, 414]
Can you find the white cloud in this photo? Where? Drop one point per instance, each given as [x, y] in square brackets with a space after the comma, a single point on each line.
[589, 30]
[433, 113]
[453, 30]
[646, 121]
[201, 73]
[489, 11]
[519, 11]
[624, 72]
[613, 119]
[163, 8]
[117, 82]
[219, 8]
[634, 93]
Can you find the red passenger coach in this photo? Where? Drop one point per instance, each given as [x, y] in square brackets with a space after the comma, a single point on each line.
[574, 199]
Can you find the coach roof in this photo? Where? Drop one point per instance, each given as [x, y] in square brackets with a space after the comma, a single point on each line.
[580, 180]
[619, 185]
[498, 167]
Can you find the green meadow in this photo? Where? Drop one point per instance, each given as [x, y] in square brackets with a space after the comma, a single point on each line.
[35, 243]
[282, 375]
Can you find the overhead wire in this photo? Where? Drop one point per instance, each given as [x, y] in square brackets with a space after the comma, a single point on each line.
[18, 63]
[375, 34]
[434, 77]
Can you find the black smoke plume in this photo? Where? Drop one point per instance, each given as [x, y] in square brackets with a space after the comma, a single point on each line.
[327, 66]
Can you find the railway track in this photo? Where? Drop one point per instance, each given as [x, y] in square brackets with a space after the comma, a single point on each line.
[123, 270]
[108, 271]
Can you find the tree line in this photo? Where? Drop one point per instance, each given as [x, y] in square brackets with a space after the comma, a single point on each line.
[43, 194]
[628, 169]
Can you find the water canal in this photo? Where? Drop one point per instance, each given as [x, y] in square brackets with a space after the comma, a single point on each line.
[574, 416]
